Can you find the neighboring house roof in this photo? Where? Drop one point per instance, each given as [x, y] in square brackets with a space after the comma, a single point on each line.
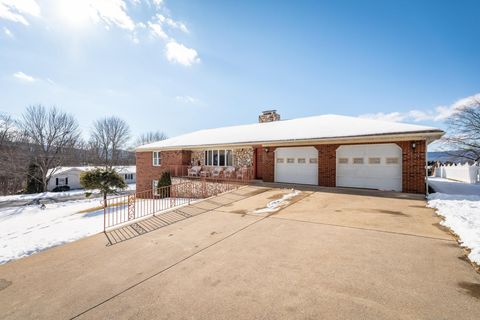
[119, 169]
[323, 127]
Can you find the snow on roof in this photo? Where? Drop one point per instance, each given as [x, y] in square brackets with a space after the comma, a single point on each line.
[120, 169]
[316, 127]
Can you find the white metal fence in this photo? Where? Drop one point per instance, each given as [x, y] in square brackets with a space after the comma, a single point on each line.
[460, 172]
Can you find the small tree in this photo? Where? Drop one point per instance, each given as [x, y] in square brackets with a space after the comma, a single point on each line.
[164, 181]
[108, 181]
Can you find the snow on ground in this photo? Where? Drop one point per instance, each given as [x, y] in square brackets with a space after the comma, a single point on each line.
[459, 204]
[43, 195]
[276, 205]
[28, 229]
[443, 185]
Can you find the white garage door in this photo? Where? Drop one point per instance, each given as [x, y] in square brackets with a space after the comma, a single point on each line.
[296, 165]
[374, 166]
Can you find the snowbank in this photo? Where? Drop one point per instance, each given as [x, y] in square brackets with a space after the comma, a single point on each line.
[276, 205]
[462, 215]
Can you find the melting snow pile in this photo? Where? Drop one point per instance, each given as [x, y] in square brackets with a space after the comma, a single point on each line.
[462, 216]
[276, 205]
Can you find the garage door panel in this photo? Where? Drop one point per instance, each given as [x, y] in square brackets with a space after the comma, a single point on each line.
[302, 170]
[383, 175]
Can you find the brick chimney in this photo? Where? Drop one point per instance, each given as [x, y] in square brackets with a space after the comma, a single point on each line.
[269, 116]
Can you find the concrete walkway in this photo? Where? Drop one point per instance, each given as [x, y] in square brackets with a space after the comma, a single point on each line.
[326, 256]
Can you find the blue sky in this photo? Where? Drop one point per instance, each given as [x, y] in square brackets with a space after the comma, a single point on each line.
[178, 66]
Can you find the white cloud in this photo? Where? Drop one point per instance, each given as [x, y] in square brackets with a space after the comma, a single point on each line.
[172, 23]
[8, 33]
[393, 116]
[438, 114]
[15, 10]
[157, 3]
[78, 13]
[112, 12]
[24, 77]
[157, 30]
[187, 99]
[178, 53]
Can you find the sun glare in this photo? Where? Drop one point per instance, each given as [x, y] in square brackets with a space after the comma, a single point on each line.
[74, 13]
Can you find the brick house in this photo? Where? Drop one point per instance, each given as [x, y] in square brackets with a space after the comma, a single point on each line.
[325, 150]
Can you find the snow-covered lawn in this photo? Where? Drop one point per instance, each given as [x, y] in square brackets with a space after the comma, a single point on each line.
[44, 195]
[459, 204]
[28, 229]
[443, 185]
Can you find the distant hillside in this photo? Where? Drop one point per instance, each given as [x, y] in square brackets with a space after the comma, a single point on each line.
[446, 156]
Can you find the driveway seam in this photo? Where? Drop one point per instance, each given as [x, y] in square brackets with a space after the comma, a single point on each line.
[364, 229]
[170, 266]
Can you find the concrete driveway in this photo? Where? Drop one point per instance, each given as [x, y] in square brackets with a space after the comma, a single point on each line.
[328, 255]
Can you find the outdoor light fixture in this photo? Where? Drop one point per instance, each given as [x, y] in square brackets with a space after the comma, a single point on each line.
[414, 145]
[266, 150]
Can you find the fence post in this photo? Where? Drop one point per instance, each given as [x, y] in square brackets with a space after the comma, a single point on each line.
[104, 215]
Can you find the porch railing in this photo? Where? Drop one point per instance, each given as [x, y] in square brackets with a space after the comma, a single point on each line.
[125, 209]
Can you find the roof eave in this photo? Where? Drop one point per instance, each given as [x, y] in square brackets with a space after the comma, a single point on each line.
[430, 136]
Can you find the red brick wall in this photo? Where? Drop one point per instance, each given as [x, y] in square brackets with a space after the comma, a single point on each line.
[327, 165]
[146, 171]
[268, 170]
[413, 165]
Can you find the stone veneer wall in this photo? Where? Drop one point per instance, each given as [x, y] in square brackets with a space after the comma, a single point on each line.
[241, 157]
[198, 156]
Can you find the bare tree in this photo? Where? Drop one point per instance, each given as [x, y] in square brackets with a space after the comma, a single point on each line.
[13, 156]
[49, 132]
[150, 137]
[464, 130]
[109, 137]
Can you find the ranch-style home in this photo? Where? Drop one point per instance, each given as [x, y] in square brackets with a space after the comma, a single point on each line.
[325, 150]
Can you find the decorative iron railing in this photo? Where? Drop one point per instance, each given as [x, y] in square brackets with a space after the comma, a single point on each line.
[125, 209]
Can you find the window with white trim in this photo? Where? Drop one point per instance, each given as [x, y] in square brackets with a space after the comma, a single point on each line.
[393, 160]
[313, 160]
[218, 158]
[343, 160]
[290, 160]
[128, 176]
[357, 160]
[375, 160]
[280, 160]
[301, 160]
[156, 158]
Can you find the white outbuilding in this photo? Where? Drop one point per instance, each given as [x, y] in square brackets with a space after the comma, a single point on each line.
[70, 176]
